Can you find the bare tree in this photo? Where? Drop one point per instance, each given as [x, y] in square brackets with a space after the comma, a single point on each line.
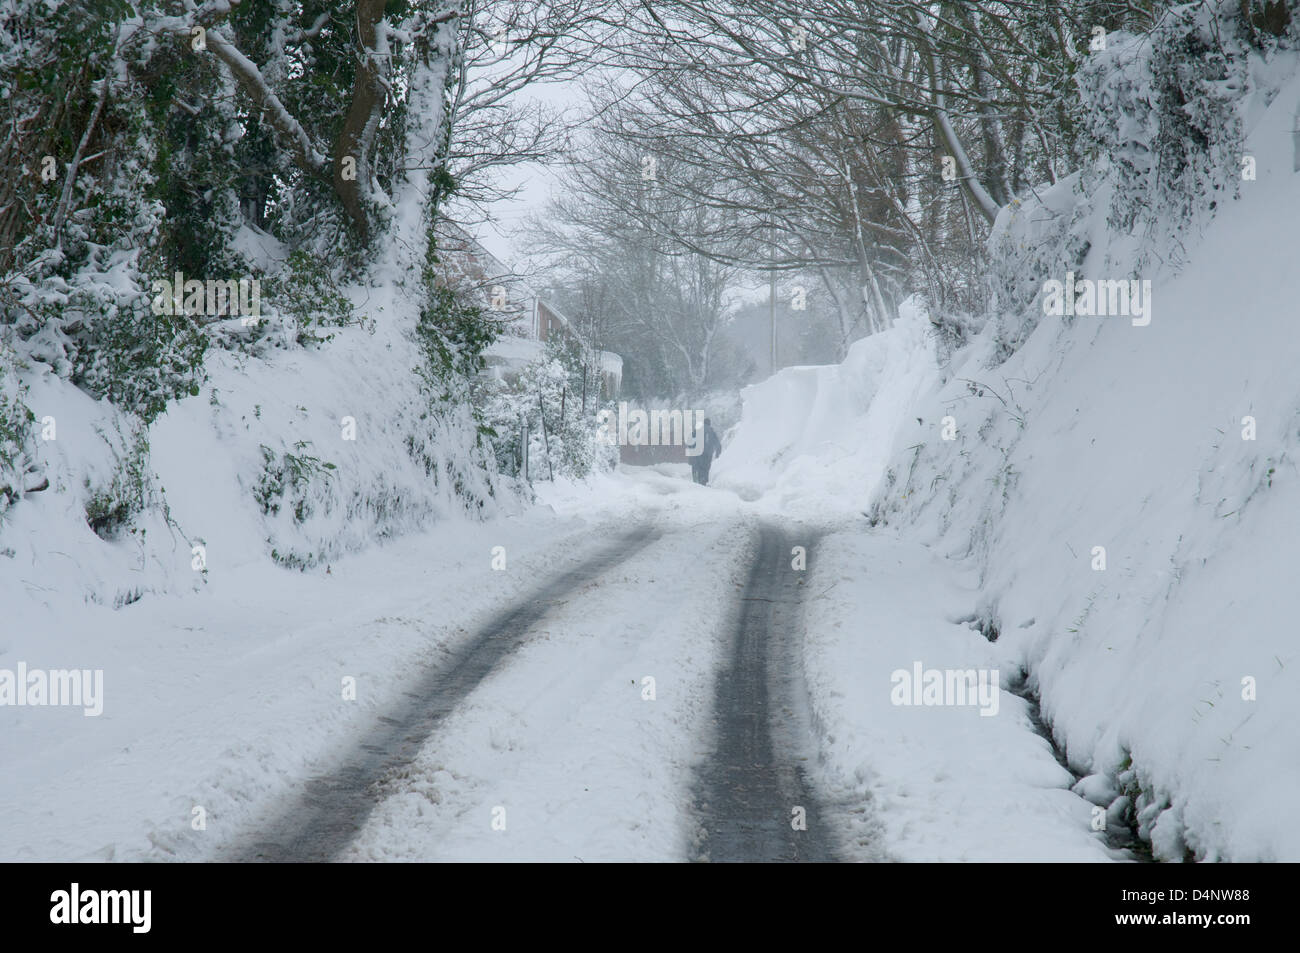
[613, 233]
[870, 142]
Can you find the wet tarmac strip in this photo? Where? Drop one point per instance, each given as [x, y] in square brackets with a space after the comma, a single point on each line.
[754, 802]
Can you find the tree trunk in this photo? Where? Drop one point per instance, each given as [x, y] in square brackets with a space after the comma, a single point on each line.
[369, 96]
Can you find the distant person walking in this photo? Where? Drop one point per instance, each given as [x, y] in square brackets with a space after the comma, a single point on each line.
[701, 462]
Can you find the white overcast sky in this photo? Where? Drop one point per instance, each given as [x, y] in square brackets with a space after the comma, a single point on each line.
[537, 182]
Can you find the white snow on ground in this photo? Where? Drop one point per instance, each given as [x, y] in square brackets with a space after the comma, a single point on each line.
[945, 783]
[1169, 677]
[229, 698]
[585, 769]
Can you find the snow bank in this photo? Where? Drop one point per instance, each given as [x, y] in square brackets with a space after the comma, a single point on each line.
[925, 783]
[297, 457]
[808, 432]
[1130, 493]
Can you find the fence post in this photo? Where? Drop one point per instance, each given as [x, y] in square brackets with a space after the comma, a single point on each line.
[547, 440]
[523, 447]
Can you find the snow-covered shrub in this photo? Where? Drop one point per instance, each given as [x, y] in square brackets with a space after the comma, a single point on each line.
[114, 506]
[1267, 20]
[451, 334]
[953, 330]
[97, 328]
[1035, 239]
[139, 360]
[295, 487]
[447, 442]
[84, 258]
[571, 443]
[1161, 118]
[305, 296]
[285, 482]
[16, 450]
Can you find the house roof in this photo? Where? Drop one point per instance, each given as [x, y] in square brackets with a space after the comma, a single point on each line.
[470, 266]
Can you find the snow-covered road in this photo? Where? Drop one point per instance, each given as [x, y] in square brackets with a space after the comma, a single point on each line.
[670, 673]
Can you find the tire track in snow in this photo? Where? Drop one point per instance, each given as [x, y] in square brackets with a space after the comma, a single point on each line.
[750, 788]
[564, 739]
[332, 808]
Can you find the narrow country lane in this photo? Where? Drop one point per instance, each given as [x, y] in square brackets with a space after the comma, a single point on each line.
[726, 734]
[665, 699]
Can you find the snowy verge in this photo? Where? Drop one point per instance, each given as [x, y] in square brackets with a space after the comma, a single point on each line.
[927, 782]
[818, 438]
